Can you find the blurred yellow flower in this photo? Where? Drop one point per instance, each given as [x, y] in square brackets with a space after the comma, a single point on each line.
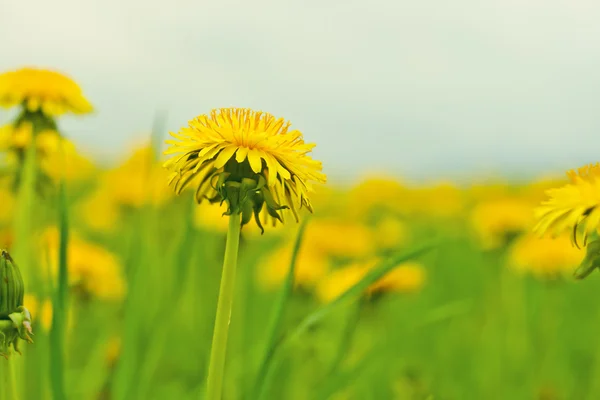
[248, 152]
[310, 267]
[20, 137]
[545, 257]
[210, 216]
[7, 205]
[42, 90]
[375, 193]
[66, 162]
[389, 233]
[99, 211]
[339, 239]
[404, 278]
[572, 206]
[440, 200]
[408, 277]
[138, 180]
[494, 221]
[92, 269]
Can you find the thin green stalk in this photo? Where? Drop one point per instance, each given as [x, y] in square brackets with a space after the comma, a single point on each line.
[57, 333]
[218, 351]
[11, 389]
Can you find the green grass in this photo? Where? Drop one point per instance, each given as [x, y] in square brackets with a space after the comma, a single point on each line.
[475, 331]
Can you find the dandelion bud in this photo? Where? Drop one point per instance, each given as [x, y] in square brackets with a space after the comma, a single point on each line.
[591, 260]
[18, 326]
[12, 288]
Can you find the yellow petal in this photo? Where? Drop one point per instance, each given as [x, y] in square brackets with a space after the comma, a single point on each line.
[254, 160]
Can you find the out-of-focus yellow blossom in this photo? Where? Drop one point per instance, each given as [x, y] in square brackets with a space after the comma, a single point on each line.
[495, 221]
[210, 216]
[545, 257]
[39, 89]
[310, 267]
[338, 281]
[92, 269]
[406, 277]
[66, 162]
[572, 206]
[491, 190]
[389, 233]
[99, 211]
[138, 180]
[340, 239]
[20, 137]
[41, 314]
[384, 193]
[7, 206]
[440, 200]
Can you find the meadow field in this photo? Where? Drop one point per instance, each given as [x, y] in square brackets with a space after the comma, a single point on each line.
[388, 290]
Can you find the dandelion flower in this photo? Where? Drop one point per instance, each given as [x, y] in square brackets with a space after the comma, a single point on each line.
[496, 221]
[42, 90]
[572, 206]
[250, 159]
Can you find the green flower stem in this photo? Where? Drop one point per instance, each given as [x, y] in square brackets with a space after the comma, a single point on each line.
[11, 388]
[218, 351]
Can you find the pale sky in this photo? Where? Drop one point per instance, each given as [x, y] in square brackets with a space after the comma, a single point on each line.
[434, 89]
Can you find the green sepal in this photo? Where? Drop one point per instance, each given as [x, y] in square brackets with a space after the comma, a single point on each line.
[590, 262]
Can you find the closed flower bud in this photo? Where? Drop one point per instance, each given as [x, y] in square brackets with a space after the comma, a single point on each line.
[12, 288]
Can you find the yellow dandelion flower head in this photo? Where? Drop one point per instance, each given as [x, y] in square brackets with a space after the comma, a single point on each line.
[43, 90]
[572, 206]
[250, 159]
[545, 257]
[495, 220]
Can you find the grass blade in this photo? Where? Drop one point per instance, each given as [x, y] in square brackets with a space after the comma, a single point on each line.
[355, 291]
[57, 333]
[348, 296]
[275, 325]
